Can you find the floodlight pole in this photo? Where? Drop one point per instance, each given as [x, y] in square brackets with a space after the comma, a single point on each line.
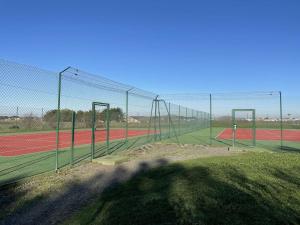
[58, 116]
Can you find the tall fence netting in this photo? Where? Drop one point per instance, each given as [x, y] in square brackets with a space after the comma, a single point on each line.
[50, 120]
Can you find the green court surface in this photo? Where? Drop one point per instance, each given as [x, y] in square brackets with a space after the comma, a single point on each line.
[202, 137]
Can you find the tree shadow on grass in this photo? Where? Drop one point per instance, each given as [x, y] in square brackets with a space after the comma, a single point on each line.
[290, 149]
[278, 148]
[156, 193]
[56, 206]
[179, 195]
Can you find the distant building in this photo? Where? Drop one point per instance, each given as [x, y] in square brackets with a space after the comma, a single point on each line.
[133, 120]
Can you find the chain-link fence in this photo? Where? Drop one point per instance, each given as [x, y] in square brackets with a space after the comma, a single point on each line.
[262, 119]
[50, 120]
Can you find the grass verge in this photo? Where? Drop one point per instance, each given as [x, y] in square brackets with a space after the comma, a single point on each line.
[252, 188]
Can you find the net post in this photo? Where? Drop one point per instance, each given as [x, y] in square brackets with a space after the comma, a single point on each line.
[281, 122]
[73, 137]
[210, 119]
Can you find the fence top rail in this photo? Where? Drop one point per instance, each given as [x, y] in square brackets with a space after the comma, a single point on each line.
[76, 76]
[99, 81]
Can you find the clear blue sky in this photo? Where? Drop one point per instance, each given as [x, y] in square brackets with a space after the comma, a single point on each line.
[162, 46]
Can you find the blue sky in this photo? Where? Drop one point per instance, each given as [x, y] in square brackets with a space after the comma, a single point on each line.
[161, 46]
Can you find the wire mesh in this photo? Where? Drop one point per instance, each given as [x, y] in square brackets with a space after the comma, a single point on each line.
[27, 132]
[47, 119]
[276, 118]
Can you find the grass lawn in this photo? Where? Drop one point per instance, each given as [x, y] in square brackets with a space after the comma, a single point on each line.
[250, 188]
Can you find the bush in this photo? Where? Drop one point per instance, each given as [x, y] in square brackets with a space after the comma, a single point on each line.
[14, 127]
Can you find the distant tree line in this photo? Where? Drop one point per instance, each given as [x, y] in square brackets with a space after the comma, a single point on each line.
[115, 114]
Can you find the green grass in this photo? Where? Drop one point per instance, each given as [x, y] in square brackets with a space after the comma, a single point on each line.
[250, 188]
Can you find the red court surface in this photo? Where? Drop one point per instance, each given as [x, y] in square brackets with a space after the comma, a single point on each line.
[20, 144]
[263, 135]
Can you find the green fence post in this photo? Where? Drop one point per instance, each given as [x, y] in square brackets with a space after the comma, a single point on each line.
[150, 120]
[169, 119]
[107, 127]
[93, 130]
[127, 113]
[58, 122]
[126, 135]
[155, 120]
[210, 119]
[174, 130]
[186, 121]
[192, 120]
[233, 127]
[202, 120]
[179, 132]
[17, 114]
[73, 137]
[254, 127]
[281, 122]
[198, 120]
[159, 125]
[58, 116]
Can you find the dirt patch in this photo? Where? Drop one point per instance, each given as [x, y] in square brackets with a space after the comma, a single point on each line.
[174, 152]
[50, 199]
